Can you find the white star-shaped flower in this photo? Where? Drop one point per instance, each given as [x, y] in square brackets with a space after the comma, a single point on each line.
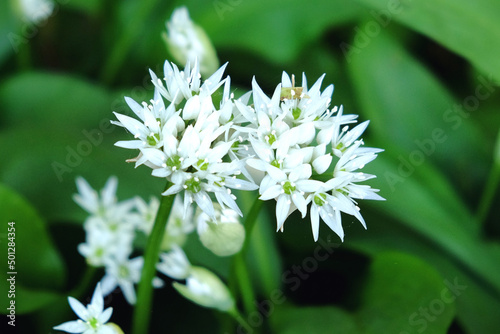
[93, 318]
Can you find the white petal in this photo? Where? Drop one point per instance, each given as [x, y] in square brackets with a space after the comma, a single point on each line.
[97, 300]
[78, 308]
[315, 221]
[300, 203]
[205, 203]
[72, 327]
[272, 192]
[322, 163]
[174, 189]
[104, 316]
[282, 208]
[303, 171]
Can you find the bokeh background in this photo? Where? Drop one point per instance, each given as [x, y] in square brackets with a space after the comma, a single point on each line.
[425, 73]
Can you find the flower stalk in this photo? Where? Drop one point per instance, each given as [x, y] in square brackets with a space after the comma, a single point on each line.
[240, 270]
[140, 321]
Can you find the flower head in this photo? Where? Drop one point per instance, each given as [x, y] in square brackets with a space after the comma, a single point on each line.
[189, 143]
[294, 133]
[93, 318]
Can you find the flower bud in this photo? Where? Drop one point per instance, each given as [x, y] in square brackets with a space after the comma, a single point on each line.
[187, 41]
[34, 11]
[225, 235]
[206, 289]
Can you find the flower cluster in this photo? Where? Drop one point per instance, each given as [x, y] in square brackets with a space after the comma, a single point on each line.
[300, 150]
[307, 153]
[110, 233]
[186, 142]
[112, 227]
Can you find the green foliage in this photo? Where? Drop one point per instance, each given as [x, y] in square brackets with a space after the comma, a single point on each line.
[470, 29]
[402, 295]
[425, 75]
[38, 267]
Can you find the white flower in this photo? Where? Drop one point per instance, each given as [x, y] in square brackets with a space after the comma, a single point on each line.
[302, 105]
[174, 264]
[206, 289]
[293, 133]
[36, 11]
[182, 85]
[124, 273]
[288, 189]
[93, 318]
[103, 244]
[338, 194]
[104, 205]
[188, 42]
[190, 147]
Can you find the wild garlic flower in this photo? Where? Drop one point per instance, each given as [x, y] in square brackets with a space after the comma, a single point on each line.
[174, 264]
[187, 42]
[93, 318]
[307, 153]
[110, 233]
[36, 11]
[187, 144]
[109, 229]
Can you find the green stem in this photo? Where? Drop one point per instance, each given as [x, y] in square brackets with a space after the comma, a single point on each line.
[120, 49]
[240, 270]
[488, 195]
[142, 312]
[24, 57]
[237, 316]
[86, 280]
[491, 185]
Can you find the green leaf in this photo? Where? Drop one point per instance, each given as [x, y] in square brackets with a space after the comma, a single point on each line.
[406, 106]
[277, 30]
[313, 320]
[90, 7]
[398, 289]
[411, 113]
[477, 308]
[471, 29]
[55, 101]
[405, 295]
[420, 203]
[263, 255]
[11, 39]
[44, 170]
[26, 300]
[38, 265]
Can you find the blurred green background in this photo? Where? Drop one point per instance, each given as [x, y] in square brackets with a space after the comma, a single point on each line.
[425, 73]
